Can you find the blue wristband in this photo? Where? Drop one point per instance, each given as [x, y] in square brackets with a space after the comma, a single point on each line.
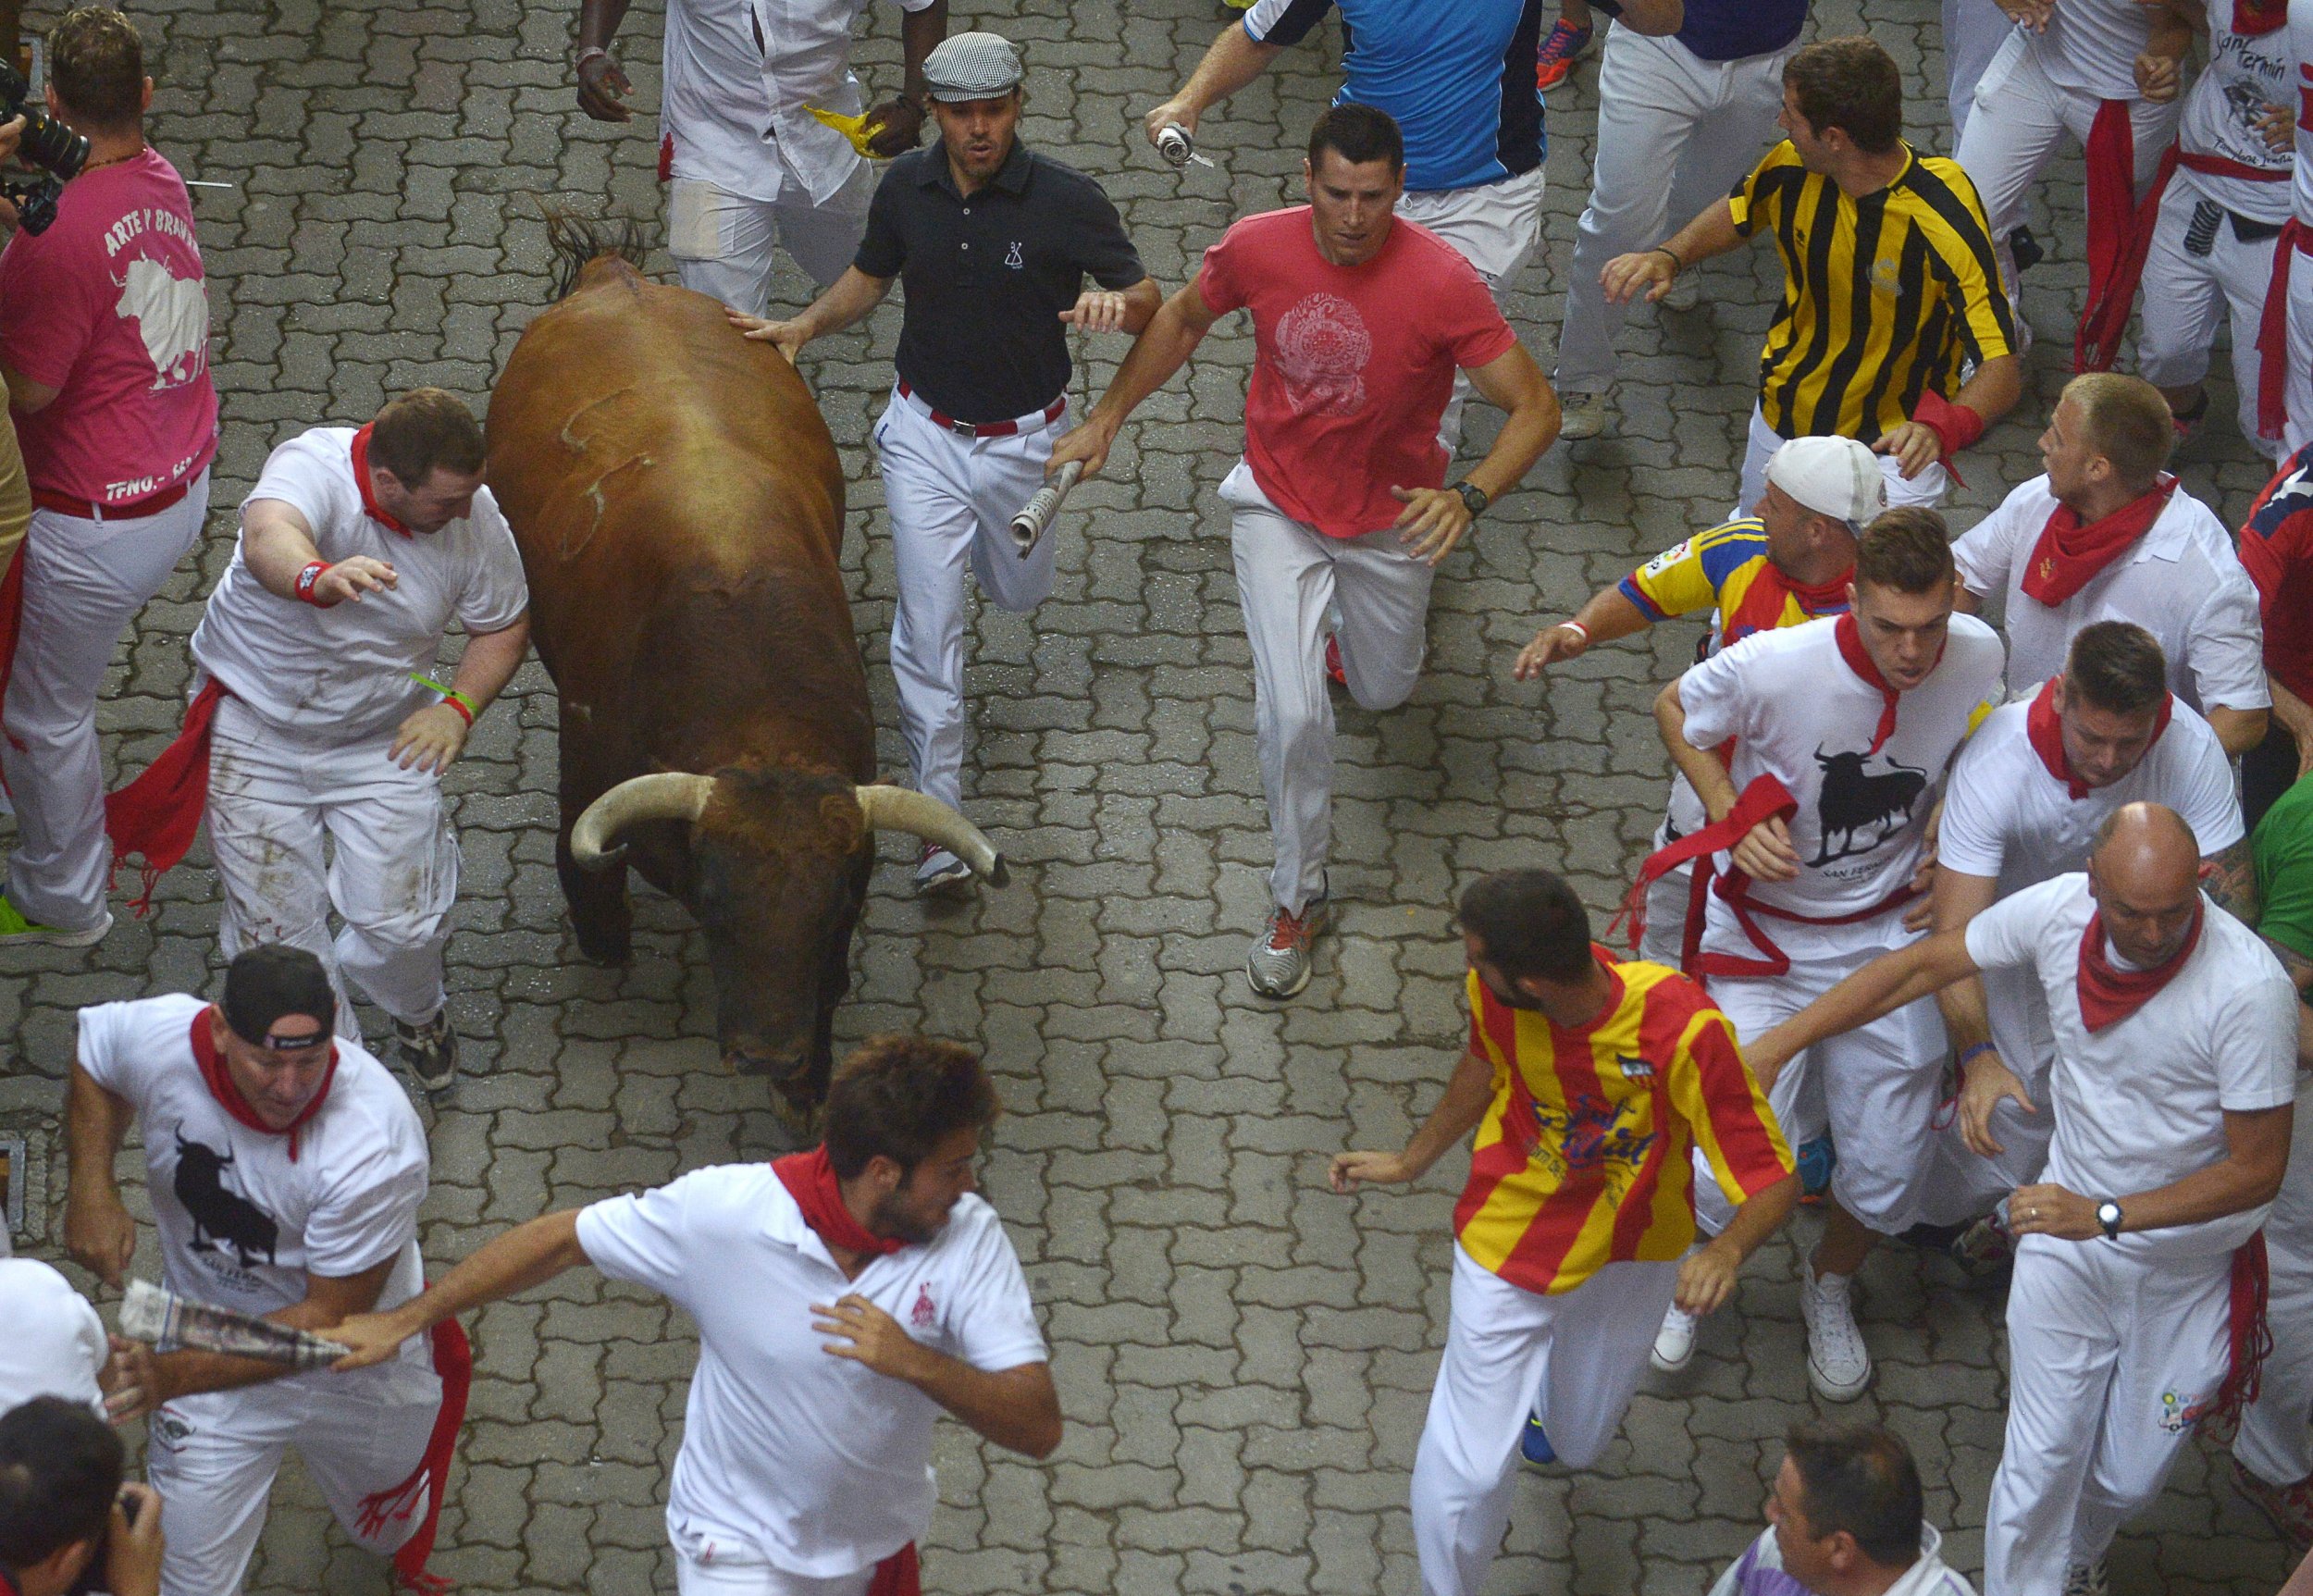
[1974, 1053]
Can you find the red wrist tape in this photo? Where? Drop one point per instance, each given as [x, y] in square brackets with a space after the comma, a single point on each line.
[304, 586]
[464, 713]
[1957, 425]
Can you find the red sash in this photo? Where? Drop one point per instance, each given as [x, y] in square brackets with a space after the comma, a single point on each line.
[453, 1361]
[2108, 996]
[2044, 730]
[2272, 331]
[160, 813]
[227, 1095]
[898, 1575]
[2249, 1335]
[2107, 316]
[810, 1180]
[2069, 555]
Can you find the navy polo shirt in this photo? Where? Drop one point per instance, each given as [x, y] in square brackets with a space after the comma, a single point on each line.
[1733, 30]
[987, 274]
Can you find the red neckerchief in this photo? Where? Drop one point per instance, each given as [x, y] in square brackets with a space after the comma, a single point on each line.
[810, 1180]
[2108, 996]
[2045, 729]
[2252, 17]
[1761, 609]
[2069, 555]
[1851, 639]
[370, 507]
[229, 1095]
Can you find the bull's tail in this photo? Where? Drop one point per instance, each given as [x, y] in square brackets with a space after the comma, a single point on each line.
[577, 241]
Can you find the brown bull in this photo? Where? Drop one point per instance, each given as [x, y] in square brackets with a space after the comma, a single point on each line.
[679, 509]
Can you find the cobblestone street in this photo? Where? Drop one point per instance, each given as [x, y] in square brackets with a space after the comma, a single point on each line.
[1244, 1358]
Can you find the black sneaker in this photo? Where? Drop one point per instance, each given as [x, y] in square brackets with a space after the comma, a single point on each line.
[430, 1049]
[2026, 249]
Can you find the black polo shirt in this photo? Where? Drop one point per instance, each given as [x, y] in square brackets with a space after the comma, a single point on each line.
[987, 277]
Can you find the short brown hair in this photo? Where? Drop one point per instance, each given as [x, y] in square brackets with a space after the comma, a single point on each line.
[1906, 549]
[2117, 666]
[1850, 84]
[1357, 133]
[1532, 924]
[898, 1096]
[1860, 1478]
[424, 428]
[2127, 422]
[97, 63]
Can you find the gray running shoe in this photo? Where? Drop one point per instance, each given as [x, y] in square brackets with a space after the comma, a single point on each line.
[1279, 964]
[430, 1049]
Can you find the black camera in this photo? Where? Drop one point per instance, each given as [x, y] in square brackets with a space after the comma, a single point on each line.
[47, 143]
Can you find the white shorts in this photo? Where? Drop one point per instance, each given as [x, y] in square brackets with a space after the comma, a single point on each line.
[2198, 275]
[1926, 489]
[743, 1573]
[725, 244]
[1497, 225]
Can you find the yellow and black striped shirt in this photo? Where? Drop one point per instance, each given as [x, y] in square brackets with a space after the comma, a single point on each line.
[1883, 297]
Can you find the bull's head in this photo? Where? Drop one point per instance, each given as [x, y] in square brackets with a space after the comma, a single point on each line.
[777, 865]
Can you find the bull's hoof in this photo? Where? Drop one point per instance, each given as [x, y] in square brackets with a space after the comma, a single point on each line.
[612, 948]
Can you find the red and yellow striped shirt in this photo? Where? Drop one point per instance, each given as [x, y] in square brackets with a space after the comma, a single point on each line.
[1585, 1157]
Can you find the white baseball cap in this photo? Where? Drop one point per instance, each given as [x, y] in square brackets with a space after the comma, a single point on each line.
[1834, 477]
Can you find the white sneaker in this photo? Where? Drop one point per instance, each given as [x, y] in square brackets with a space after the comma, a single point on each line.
[1684, 294]
[1675, 1343]
[1582, 415]
[1838, 1365]
[2085, 1578]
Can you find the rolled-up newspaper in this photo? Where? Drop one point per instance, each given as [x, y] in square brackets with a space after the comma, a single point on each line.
[156, 1314]
[1035, 517]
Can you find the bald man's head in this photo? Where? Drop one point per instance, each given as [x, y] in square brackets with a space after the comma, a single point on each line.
[2143, 870]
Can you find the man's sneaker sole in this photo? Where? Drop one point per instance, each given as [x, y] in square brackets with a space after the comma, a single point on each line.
[1829, 1392]
[50, 936]
[1663, 1364]
[1253, 978]
[1581, 418]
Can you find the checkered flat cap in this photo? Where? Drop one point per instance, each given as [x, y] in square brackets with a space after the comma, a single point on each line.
[971, 66]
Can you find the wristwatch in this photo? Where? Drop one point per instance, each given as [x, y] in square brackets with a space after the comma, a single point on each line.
[1473, 496]
[2108, 1216]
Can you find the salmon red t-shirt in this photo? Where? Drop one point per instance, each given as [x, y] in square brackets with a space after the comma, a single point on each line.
[110, 307]
[1353, 365]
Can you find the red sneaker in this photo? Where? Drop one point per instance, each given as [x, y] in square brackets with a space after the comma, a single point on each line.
[2289, 1507]
[1333, 662]
[1561, 48]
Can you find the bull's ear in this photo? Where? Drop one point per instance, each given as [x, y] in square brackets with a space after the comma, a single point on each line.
[663, 795]
[841, 823]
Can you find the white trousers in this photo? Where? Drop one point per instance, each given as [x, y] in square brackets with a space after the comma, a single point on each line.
[1572, 1360]
[212, 1458]
[2110, 1359]
[1290, 578]
[1674, 131]
[747, 1574]
[2186, 294]
[1962, 1184]
[725, 244]
[1973, 32]
[85, 581]
[2297, 388]
[950, 500]
[2276, 1439]
[1875, 1087]
[1497, 226]
[2020, 121]
[390, 871]
[1925, 490]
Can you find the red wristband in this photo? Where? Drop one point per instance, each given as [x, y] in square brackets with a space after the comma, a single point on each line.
[304, 586]
[1955, 425]
[452, 701]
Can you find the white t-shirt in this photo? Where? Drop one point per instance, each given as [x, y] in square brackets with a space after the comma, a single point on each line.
[2245, 73]
[816, 1464]
[349, 665]
[2182, 582]
[2091, 46]
[242, 1222]
[2007, 818]
[1797, 710]
[738, 74]
[52, 1343]
[2141, 1103]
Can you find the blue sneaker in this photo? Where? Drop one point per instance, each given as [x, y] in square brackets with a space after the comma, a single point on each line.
[1816, 1160]
[1535, 1446]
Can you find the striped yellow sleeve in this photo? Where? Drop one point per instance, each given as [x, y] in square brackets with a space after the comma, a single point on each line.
[1722, 1102]
[1955, 229]
[1757, 199]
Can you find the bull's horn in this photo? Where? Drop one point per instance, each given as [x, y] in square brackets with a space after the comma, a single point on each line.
[897, 808]
[665, 795]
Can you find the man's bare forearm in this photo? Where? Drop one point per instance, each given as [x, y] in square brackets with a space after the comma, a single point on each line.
[491, 661]
[1231, 62]
[1713, 232]
[1994, 389]
[95, 1122]
[2249, 1174]
[1761, 1215]
[1469, 1092]
[2237, 731]
[849, 298]
[598, 21]
[1702, 768]
[1881, 988]
[528, 1256]
[1015, 1408]
[1163, 348]
[920, 34]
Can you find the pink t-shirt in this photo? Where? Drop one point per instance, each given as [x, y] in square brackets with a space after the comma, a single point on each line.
[109, 306]
[1353, 365]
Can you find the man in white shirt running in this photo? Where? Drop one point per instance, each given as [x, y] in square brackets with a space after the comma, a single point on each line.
[2027, 793]
[1842, 730]
[2106, 534]
[748, 165]
[2137, 1306]
[845, 1297]
[317, 720]
[285, 1171]
[1845, 1516]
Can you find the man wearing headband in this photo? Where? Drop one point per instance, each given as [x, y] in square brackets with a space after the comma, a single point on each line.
[285, 1167]
[994, 243]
